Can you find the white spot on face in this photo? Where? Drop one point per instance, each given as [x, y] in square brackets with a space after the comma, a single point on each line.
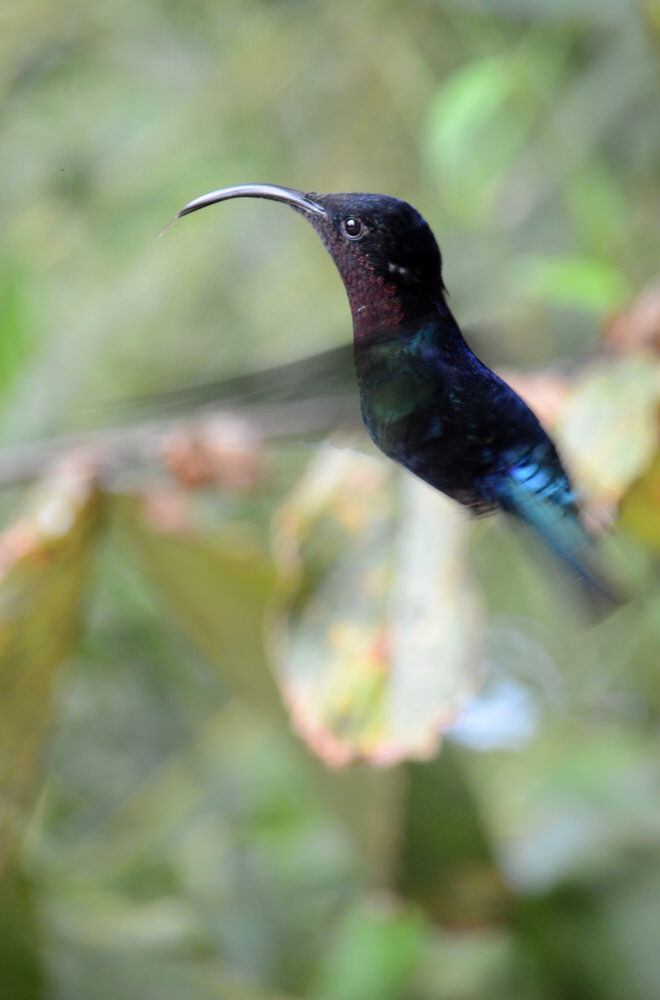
[396, 269]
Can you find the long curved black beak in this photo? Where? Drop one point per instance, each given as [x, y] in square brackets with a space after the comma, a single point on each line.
[273, 192]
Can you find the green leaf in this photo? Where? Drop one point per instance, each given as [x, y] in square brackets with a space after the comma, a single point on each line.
[487, 963]
[640, 510]
[374, 955]
[14, 322]
[470, 137]
[608, 429]
[43, 571]
[446, 861]
[571, 804]
[217, 587]
[598, 205]
[478, 122]
[378, 637]
[110, 973]
[21, 973]
[467, 101]
[584, 282]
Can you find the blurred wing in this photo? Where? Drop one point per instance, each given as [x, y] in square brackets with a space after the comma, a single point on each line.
[329, 373]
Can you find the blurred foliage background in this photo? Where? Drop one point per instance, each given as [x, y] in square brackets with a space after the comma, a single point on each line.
[175, 661]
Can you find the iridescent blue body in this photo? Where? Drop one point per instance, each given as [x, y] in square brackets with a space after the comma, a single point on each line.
[432, 406]
[427, 401]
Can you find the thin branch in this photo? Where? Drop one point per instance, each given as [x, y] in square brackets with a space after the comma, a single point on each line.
[112, 450]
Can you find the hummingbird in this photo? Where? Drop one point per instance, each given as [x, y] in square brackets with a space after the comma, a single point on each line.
[426, 400]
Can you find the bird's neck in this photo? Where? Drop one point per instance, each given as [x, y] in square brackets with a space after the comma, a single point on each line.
[382, 308]
[390, 321]
[376, 307]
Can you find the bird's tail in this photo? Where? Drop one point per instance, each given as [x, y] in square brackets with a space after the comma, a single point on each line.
[565, 536]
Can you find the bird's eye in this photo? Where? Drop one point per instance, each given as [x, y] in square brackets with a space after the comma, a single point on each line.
[352, 227]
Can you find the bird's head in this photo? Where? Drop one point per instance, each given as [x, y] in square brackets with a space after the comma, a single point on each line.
[384, 251]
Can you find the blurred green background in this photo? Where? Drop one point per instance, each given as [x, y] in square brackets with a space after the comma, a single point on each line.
[163, 831]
